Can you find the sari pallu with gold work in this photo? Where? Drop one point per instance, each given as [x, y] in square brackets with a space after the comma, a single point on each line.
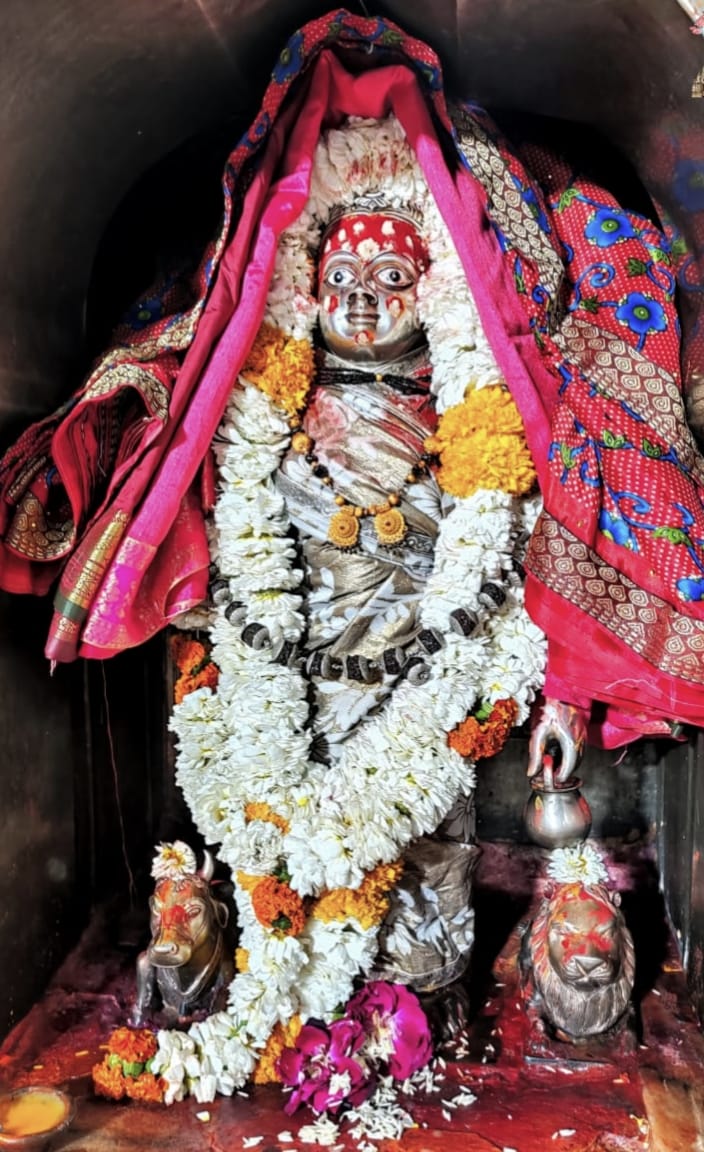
[590, 354]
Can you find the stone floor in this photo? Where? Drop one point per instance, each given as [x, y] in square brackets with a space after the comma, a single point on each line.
[644, 1091]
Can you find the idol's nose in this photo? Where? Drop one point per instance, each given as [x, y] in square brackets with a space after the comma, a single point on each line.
[362, 296]
[588, 964]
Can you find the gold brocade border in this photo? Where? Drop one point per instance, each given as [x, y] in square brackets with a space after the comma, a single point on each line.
[75, 602]
[113, 376]
[506, 204]
[30, 535]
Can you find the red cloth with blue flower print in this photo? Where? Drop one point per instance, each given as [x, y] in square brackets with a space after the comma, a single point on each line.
[577, 299]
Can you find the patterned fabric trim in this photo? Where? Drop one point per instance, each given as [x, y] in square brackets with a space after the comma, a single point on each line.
[112, 377]
[648, 625]
[625, 374]
[31, 535]
[512, 209]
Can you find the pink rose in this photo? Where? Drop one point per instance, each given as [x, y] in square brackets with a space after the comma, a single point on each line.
[326, 1068]
[395, 1025]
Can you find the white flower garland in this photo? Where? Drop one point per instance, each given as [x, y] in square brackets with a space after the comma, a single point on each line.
[249, 739]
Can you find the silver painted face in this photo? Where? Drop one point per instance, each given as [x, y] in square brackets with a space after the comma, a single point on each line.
[368, 307]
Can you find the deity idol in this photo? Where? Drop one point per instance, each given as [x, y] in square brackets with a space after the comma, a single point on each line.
[360, 489]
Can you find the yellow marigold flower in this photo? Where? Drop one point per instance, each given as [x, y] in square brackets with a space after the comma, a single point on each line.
[246, 882]
[481, 444]
[258, 810]
[283, 1036]
[368, 904]
[282, 367]
[242, 959]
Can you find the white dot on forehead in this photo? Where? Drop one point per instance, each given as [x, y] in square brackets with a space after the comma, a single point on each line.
[342, 234]
[358, 226]
[388, 228]
[327, 246]
[409, 242]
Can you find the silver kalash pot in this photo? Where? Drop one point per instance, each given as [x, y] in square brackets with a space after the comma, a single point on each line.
[556, 814]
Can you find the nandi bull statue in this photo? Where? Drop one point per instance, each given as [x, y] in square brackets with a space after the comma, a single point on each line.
[187, 958]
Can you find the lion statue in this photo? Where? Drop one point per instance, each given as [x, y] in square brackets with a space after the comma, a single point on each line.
[578, 955]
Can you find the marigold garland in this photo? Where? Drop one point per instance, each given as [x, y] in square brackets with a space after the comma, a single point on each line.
[368, 904]
[277, 906]
[282, 367]
[283, 1036]
[481, 444]
[207, 678]
[134, 1045]
[478, 738]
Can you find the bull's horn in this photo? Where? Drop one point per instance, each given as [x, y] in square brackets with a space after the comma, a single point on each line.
[208, 867]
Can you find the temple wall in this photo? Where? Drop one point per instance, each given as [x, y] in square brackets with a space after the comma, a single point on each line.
[42, 809]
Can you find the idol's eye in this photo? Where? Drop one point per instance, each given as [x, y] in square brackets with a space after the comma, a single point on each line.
[340, 277]
[393, 277]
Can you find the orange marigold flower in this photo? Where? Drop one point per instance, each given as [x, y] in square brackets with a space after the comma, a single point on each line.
[282, 367]
[368, 904]
[257, 810]
[480, 739]
[182, 688]
[108, 1080]
[186, 654]
[277, 906]
[207, 677]
[283, 1036]
[135, 1045]
[147, 1088]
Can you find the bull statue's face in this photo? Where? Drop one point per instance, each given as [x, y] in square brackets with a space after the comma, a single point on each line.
[183, 918]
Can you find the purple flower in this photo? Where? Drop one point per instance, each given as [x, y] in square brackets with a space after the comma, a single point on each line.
[607, 226]
[325, 1068]
[395, 1025]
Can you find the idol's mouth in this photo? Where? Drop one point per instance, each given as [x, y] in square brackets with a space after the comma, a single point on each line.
[362, 319]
